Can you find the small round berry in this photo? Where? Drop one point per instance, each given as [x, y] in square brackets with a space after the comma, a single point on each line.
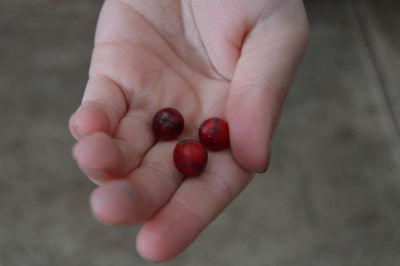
[190, 157]
[214, 134]
[168, 124]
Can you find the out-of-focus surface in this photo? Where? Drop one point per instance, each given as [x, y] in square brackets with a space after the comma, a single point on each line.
[331, 197]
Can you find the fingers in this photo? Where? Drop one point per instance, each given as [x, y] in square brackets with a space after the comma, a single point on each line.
[174, 222]
[193, 206]
[270, 56]
[99, 157]
[102, 107]
[102, 157]
[105, 109]
[139, 196]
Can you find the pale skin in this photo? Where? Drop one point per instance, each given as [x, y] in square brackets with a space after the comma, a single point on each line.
[234, 59]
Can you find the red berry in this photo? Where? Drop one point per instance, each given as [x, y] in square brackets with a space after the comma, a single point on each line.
[190, 157]
[168, 124]
[214, 134]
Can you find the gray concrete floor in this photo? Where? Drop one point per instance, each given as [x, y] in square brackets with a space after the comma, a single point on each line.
[331, 197]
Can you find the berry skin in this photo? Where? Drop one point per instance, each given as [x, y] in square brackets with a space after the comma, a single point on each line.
[168, 124]
[214, 134]
[190, 157]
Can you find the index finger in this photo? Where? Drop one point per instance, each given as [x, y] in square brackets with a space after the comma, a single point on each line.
[195, 204]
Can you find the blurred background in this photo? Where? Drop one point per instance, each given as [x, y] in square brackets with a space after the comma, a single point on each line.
[331, 197]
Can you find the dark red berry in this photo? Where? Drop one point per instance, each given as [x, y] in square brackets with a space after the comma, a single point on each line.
[168, 124]
[214, 134]
[190, 157]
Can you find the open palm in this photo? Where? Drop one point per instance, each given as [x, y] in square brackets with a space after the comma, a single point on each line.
[233, 59]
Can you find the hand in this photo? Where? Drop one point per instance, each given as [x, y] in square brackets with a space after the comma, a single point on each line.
[233, 59]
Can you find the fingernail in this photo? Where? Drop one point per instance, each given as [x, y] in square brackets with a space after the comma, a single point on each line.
[269, 155]
[77, 133]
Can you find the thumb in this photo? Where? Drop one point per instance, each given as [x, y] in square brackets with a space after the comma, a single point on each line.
[269, 58]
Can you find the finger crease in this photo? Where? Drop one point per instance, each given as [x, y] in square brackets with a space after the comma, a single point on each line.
[185, 208]
[218, 182]
[166, 173]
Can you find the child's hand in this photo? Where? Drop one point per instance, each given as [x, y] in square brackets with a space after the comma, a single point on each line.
[233, 59]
